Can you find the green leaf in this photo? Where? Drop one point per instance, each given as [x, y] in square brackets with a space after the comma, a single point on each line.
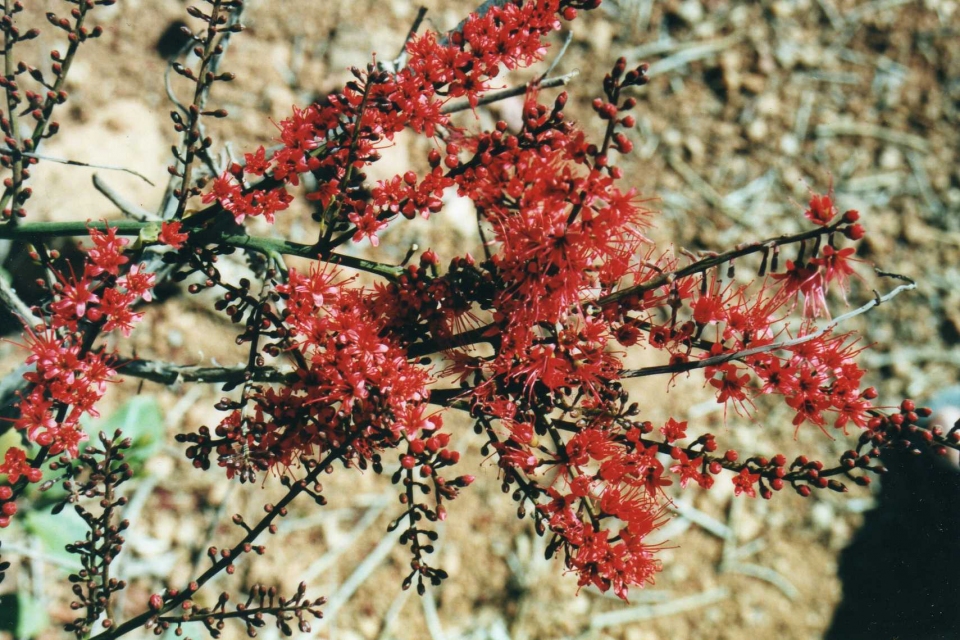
[141, 420]
[56, 532]
[23, 615]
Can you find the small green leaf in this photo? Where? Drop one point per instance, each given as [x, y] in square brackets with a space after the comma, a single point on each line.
[23, 615]
[33, 619]
[56, 532]
[141, 420]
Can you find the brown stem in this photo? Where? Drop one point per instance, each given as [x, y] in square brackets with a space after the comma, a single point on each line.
[295, 490]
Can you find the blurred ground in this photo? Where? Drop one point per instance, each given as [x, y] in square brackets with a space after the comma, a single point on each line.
[750, 104]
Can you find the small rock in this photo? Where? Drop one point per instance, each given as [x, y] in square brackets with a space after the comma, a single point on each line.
[811, 55]
[730, 64]
[822, 516]
[672, 138]
[890, 158]
[953, 197]
[749, 526]
[739, 15]
[695, 147]
[753, 83]
[175, 338]
[768, 103]
[757, 130]
[691, 11]
[635, 633]
[369, 626]
[789, 144]
[786, 52]
[601, 34]
[782, 9]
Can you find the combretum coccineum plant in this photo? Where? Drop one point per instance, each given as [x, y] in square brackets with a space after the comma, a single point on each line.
[528, 338]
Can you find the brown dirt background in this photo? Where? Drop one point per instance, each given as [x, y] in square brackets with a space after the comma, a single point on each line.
[750, 103]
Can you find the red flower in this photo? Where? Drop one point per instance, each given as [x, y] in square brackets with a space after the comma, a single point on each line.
[674, 430]
[730, 385]
[743, 483]
[836, 266]
[256, 163]
[106, 255]
[117, 309]
[821, 210]
[806, 280]
[15, 465]
[687, 469]
[367, 225]
[170, 234]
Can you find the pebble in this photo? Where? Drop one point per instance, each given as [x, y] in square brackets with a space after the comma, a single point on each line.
[890, 158]
[731, 63]
[786, 53]
[782, 8]
[757, 130]
[695, 147]
[754, 82]
[672, 138]
[768, 103]
[691, 11]
[739, 15]
[789, 144]
[822, 516]
[175, 338]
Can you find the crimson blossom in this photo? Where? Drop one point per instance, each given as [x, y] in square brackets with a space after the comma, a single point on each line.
[528, 339]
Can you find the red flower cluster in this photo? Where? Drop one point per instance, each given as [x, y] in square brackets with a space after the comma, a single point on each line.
[336, 139]
[565, 238]
[566, 280]
[229, 190]
[68, 379]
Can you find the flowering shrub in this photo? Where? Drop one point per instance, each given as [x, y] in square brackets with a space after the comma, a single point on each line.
[528, 339]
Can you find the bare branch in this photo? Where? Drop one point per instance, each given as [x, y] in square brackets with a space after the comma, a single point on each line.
[128, 208]
[519, 90]
[783, 344]
[78, 163]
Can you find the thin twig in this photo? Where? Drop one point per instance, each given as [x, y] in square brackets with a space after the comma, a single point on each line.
[701, 186]
[359, 576]
[701, 519]
[78, 163]
[199, 552]
[13, 548]
[767, 575]
[167, 373]
[867, 130]
[830, 10]
[692, 54]
[802, 120]
[519, 90]
[326, 561]
[12, 302]
[923, 181]
[128, 208]
[556, 60]
[775, 346]
[479, 12]
[400, 60]
[431, 616]
[650, 611]
[901, 356]
[393, 613]
[865, 9]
